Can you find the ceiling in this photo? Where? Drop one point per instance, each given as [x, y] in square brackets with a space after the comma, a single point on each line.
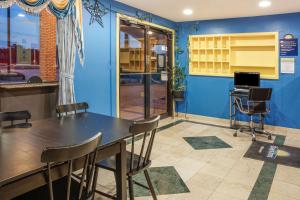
[212, 9]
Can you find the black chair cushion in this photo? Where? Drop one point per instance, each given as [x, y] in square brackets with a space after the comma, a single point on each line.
[110, 164]
[18, 115]
[35, 79]
[15, 116]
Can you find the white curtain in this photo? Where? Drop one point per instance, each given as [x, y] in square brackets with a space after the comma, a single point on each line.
[66, 53]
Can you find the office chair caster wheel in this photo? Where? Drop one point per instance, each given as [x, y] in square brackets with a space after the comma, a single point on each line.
[235, 134]
[269, 137]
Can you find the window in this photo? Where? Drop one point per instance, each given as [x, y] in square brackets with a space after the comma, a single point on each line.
[20, 47]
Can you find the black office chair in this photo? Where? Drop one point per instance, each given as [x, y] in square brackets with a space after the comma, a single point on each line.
[136, 163]
[257, 103]
[87, 150]
[35, 79]
[14, 116]
[71, 108]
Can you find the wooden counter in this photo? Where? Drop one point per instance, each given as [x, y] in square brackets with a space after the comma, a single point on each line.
[38, 98]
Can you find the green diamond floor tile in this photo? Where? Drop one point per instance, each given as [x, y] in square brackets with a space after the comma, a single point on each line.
[207, 142]
[165, 180]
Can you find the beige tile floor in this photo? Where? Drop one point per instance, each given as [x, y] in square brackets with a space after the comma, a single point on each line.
[216, 174]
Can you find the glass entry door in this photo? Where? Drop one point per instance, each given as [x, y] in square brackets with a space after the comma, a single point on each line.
[132, 71]
[158, 77]
[144, 79]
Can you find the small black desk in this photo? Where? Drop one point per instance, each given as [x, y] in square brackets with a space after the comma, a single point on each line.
[20, 150]
[232, 107]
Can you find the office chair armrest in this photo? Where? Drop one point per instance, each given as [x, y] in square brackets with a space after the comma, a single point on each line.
[268, 106]
[239, 103]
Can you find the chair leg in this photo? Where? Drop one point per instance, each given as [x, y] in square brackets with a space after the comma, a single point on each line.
[130, 186]
[252, 129]
[102, 193]
[261, 130]
[253, 135]
[235, 133]
[95, 182]
[265, 133]
[150, 184]
[115, 176]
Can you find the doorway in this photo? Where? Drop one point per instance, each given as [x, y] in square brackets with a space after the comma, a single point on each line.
[145, 61]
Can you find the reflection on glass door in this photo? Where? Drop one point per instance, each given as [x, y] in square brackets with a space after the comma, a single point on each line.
[158, 54]
[132, 68]
[144, 61]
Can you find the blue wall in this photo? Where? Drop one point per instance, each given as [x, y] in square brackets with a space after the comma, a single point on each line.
[209, 95]
[95, 82]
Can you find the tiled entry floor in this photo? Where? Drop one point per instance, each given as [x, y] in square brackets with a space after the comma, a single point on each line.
[186, 166]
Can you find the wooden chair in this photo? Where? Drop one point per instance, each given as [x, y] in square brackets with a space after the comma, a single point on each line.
[71, 108]
[67, 154]
[87, 150]
[136, 163]
[14, 116]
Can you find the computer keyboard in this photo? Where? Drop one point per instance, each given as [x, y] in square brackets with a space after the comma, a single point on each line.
[241, 90]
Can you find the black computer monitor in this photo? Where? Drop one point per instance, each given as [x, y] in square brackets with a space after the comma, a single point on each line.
[246, 79]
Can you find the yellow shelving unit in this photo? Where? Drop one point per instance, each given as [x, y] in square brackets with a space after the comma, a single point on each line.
[153, 58]
[132, 59]
[222, 55]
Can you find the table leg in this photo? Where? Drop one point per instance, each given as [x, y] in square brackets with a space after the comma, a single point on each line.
[230, 110]
[121, 172]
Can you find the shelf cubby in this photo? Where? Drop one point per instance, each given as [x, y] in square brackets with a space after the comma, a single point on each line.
[225, 68]
[217, 42]
[132, 60]
[195, 66]
[225, 55]
[210, 55]
[210, 67]
[222, 55]
[225, 42]
[252, 40]
[202, 43]
[202, 66]
[210, 42]
[218, 56]
[202, 55]
[195, 43]
[217, 67]
[195, 55]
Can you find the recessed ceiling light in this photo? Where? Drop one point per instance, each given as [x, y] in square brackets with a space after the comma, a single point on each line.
[149, 32]
[264, 3]
[21, 15]
[188, 11]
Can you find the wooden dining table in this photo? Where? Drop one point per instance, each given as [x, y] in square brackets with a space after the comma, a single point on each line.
[21, 169]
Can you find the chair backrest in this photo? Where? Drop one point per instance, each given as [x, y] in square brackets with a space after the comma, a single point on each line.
[143, 129]
[86, 150]
[260, 94]
[35, 79]
[67, 108]
[259, 99]
[17, 115]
